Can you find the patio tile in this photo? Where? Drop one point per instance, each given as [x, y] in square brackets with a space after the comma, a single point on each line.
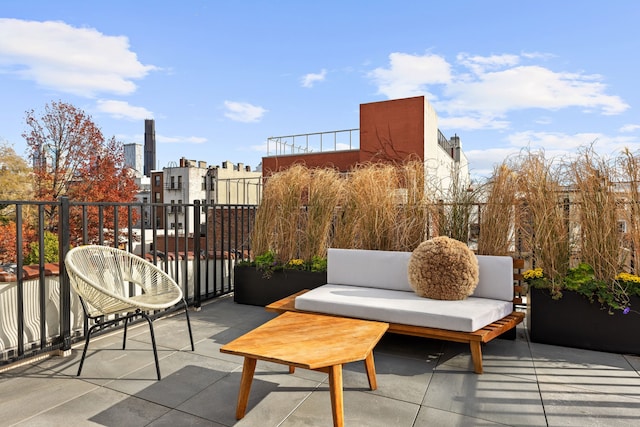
[181, 419]
[493, 397]
[575, 406]
[360, 409]
[604, 373]
[421, 382]
[400, 378]
[436, 417]
[31, 393]
[500, 356]
[101, 407]
[106, 361]
[273, 397]
[634, 361]
[183, 376]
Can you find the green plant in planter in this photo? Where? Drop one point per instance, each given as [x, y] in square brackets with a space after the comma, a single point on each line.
[268, 264]
[612, 295]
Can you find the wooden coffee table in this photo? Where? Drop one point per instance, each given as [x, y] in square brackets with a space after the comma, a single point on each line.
[311, 341]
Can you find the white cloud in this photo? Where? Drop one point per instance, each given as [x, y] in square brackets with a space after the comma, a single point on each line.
[554, 140]
[410, 75]
[261, 148]
[472, 122]
[532, 86]
[122, 110]
[480, 64]
[482, 162]
[178, 139]
[243, 112]
[310, 79]
[80, 61]
[482, 90]
[629, 128]
[557, 147]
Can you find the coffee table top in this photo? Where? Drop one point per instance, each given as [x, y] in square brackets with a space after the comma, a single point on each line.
[309, 341]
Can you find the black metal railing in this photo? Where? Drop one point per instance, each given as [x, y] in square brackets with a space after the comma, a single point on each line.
[40, 312]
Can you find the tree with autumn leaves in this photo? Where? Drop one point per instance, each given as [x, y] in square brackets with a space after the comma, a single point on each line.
[72, 158]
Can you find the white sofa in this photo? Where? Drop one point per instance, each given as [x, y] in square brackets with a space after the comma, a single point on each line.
[373, 285]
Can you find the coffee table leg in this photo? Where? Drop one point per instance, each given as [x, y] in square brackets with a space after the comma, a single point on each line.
[335, 388]
[248, 369]
[371, 371]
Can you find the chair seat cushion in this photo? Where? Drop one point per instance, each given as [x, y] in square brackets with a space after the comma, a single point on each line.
[403, 307]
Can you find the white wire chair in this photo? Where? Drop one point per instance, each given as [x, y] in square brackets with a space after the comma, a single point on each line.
[103, 278]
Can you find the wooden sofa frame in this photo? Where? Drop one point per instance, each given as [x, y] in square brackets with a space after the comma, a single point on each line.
[475, 339]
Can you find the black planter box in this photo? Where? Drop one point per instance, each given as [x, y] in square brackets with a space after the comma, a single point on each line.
[250, 287]
[573, 321]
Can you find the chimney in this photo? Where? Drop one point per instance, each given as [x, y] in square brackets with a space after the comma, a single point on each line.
[455, 147]
[149, 146]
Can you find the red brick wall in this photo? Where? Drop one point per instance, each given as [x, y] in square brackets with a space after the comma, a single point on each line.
[343, 160]
[390, 131]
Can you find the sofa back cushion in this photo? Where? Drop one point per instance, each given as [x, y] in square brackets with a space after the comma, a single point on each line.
[496, 277]
[374, 269]
[388, 270]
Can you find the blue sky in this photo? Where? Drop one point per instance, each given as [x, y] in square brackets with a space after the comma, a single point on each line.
[220, 77]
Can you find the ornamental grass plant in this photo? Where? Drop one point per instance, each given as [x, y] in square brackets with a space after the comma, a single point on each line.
[498, 216]
[545, 223]
[415, 209]
[326, 194]
[304, 211]
[629, 166]
[457, 202]
[367, 218]
[584, 238]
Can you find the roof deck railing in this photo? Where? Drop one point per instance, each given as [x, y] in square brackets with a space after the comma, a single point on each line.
[317, 142]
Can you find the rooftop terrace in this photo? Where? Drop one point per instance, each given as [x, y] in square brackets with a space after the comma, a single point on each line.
[420, 382]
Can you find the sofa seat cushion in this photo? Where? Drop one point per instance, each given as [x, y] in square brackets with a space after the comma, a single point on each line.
[403, 307]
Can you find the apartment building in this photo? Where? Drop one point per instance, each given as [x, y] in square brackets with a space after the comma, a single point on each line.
[181, 185]
[390, 131]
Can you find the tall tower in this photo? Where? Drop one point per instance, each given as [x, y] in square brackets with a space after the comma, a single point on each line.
[149, 146]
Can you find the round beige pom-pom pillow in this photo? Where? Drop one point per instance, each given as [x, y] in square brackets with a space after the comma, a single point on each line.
[443, 268]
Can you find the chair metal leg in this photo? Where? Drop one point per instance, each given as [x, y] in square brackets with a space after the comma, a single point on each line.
[124, 337]
[186, 312]
[153, 343]
[84, 351]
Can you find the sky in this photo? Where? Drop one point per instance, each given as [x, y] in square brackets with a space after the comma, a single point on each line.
[221, 77]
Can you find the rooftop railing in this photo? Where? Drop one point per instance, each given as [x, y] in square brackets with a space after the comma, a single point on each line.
[40, 313]
[318, 142]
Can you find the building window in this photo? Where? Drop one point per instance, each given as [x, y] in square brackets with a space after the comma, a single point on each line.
[622, 226]
[157, 180]
[158, 198]
[179, 182]
[173, 182]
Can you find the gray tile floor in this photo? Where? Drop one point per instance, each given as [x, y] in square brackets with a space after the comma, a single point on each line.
[420, 383]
